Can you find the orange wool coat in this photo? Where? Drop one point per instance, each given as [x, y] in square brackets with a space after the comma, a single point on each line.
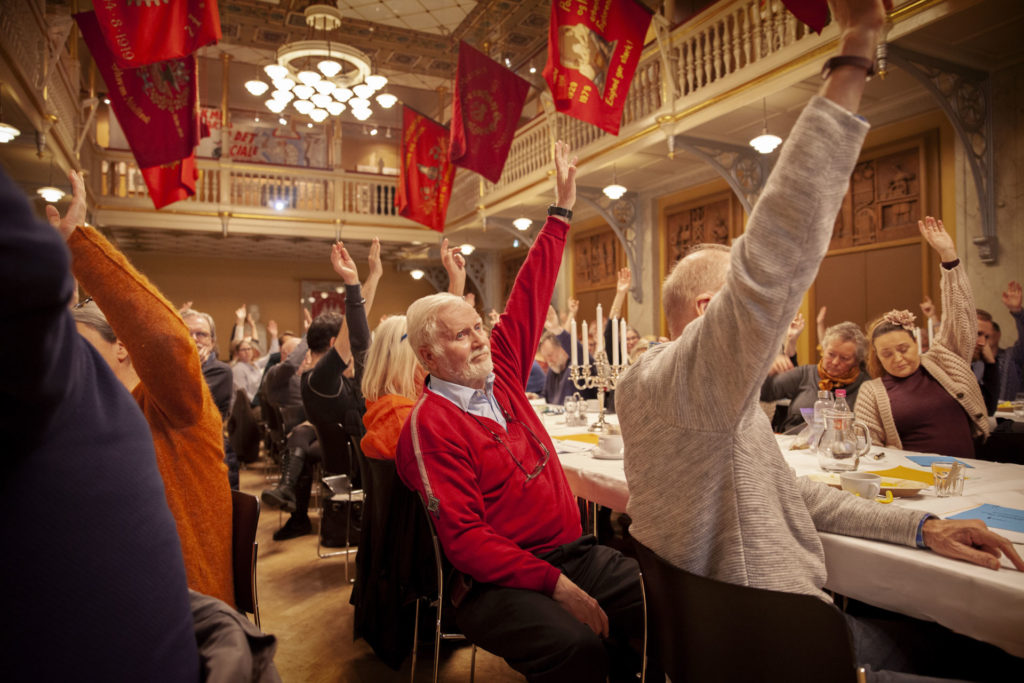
[384, 419]
[178, 406]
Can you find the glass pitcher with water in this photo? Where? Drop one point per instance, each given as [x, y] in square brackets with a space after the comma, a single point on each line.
[839, 449]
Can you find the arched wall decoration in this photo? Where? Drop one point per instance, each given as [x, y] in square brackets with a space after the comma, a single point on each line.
[965, 96]
[745, 170]
[621, 216]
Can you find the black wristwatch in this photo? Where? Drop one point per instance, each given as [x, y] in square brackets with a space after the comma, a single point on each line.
[559, 211]
[848, 60]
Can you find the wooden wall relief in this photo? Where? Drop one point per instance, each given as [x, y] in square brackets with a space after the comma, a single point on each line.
[884, 201]
[596, 258]
[708, 220]
[509, 271]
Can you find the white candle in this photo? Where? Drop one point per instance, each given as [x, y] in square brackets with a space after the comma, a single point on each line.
[615, 341]
[931, 331]
[917, 333]
[572, 339]
[599, 330]
[586, 349]
[625, 346]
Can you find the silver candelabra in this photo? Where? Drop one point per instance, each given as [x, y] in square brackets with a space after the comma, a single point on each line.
[604, 380]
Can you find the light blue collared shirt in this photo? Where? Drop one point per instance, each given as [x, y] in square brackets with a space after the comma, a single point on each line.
[474, 401]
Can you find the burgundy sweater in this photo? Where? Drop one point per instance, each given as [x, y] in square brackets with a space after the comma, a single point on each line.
[491, 521]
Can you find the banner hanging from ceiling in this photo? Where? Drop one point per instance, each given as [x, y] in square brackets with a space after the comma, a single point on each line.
[425, 176]
[141, 32]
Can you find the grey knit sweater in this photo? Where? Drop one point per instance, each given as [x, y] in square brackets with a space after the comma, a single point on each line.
[709, 489]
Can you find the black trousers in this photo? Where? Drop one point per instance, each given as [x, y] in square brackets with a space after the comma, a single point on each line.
[541, 640]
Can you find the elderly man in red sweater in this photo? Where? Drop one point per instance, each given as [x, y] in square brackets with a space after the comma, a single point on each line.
[555, 605]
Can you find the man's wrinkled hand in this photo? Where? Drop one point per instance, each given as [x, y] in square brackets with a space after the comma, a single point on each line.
[578, 603]
[970, 540]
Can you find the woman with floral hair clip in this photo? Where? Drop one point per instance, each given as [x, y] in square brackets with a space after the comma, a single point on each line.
[927, 402]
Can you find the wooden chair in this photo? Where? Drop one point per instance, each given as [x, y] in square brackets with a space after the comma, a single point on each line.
[699, 629]
[245, 517]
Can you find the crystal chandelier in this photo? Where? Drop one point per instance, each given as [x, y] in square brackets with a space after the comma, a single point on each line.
[320, 78]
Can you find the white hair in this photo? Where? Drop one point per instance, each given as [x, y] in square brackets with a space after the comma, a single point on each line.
[423, 321]
[702, 270]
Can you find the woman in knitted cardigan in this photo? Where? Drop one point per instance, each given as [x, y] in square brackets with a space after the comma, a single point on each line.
[929, 402]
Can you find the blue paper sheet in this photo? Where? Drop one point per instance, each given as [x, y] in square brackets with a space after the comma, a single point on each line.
[927, 460]
[996, 516]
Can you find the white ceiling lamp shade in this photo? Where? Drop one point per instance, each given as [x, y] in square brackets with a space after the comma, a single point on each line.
[8, 132]
[51, 194]
[275, 71]
[256, 87]
[285, 84]
[321, 100]
[303, 106]
[362, 90]
[318, 115]
[522, 223]
[359, 103]
[417, 274]
[362, 114]
[303, 92]
[334, 108]
[376, 81]
[343, 94]
[386, 100]
[614, 191]
[765, 143]
[283, 96]
[467, 249]
[329, 67]
[276, 105]
[309, 77]
[325, 87]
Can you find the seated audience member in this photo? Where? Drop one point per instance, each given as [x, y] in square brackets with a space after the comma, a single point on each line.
[929, 403]
[840, 367]
[97, 585]
[143, 338]
[217, 375]
[393, 378]
[692, 426]
[538, 376]
[554, 349]
[1011, 370]
[635, 344]
[987, 359]
[248, 365]
[531, 590]
[330, 390]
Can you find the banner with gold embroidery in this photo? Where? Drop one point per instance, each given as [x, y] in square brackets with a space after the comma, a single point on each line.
[594, 47]
[488, 101]
[425, 176]
[140, 32]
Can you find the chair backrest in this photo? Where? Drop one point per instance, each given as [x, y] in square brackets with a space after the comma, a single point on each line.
[700, 629]
[336, 449]
[245, 517]
[243, 429]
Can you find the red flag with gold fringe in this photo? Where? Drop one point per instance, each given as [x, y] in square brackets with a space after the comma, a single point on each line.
[488, 101]
[425, 176]
[140, 32]
[594, 47]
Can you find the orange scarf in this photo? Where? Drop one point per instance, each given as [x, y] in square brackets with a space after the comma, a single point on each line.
[828, 382]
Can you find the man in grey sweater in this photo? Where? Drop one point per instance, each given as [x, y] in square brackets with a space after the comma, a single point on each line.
[709, 489]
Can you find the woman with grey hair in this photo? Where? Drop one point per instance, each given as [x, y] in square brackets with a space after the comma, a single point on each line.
[841, 367]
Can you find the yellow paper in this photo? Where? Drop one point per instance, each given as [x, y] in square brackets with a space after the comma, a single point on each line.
[902, 472]
[585, 438]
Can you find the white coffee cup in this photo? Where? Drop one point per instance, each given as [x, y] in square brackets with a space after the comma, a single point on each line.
[610, 445]
[864, 484]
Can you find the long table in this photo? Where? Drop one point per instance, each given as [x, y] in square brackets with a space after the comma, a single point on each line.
[984, 604]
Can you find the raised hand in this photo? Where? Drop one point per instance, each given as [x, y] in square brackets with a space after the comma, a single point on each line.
[455, 265]
[76, 210]
[1012, 297]
[796, 326]
[935, 233]
[565, 176]
[376, 267]
[240, 314]
[625, 279]
[307, 318]
[573, 308]
[551, 322]
[271, 329]
[187, 306]
[343, 264]
[493, 317]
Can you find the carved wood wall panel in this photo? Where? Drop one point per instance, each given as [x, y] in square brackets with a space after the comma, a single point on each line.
[706, 220]
[596, 257]
[509, 270]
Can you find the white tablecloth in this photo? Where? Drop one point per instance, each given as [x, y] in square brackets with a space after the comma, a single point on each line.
[982, 603]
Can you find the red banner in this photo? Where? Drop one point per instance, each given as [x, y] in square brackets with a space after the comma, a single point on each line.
[814, 13]
[140, 32]
[425, 177]
[593, 49]
[488, 102]
[171, 182]
[156, 105]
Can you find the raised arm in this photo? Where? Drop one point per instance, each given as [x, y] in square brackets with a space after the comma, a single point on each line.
[345, 267]
[621, 288]
[455, 265]
[792, 334]
[159, 344]
[959, 329]
[376, 271]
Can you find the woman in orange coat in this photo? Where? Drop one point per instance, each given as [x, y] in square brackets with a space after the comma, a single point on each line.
[140, 334]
